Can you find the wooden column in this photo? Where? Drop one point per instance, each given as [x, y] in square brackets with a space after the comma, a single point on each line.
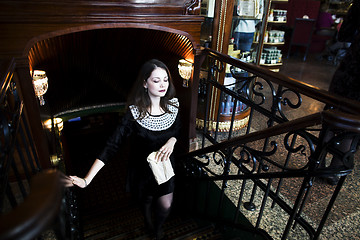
[224, 10]
[32, 110]
[194, 85]
[222, 25]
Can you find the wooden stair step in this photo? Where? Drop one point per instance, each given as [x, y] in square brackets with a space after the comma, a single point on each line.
[114, 223]
[91, 222]
[127, 223]
[206, 232]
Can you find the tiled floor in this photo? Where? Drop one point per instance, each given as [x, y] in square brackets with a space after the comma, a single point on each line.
[313, 71]
[343, 222]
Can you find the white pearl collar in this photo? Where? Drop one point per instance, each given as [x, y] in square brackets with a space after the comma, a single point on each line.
[159, 122]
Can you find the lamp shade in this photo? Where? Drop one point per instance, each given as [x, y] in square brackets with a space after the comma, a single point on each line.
[58, 122]
[185, 70]
[40, 82]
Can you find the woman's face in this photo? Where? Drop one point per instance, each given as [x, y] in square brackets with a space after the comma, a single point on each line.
[158, 83]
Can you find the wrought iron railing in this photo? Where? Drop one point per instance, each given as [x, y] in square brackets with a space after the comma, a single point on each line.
[31, 200]
[16, 156]
[273, 149]
[262, 151]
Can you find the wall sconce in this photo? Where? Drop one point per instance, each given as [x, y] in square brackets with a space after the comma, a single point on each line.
[55, 160]
[185, 71]
[58, 122]
[40, 82]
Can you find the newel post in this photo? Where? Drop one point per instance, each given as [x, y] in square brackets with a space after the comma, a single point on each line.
[32, 110]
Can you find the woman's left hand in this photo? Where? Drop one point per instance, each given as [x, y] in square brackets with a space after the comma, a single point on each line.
[165, 151]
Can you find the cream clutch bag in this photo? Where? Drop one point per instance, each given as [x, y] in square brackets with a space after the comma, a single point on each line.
[162, 170]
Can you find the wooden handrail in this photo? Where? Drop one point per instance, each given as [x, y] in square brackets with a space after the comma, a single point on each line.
[345, 117]
[341, 120]
[299, 123]
[339, 102]
[6, 72]
[331, 117]
[38, 211]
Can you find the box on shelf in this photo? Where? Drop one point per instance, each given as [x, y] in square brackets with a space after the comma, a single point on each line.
[270, 56]
[276, 36]
[277, 15]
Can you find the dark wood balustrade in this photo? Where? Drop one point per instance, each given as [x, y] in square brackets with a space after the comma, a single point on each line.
[39, 211]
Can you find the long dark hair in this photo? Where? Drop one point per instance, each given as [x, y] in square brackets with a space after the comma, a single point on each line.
[139, 96]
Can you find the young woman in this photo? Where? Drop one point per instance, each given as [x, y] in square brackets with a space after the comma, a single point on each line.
[152, 124]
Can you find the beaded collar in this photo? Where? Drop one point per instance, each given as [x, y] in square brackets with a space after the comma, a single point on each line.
[158, 122]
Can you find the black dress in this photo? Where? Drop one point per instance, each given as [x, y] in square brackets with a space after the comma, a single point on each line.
[146, 135]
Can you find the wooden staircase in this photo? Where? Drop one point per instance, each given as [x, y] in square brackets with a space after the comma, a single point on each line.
[127, 223]
[106, 209]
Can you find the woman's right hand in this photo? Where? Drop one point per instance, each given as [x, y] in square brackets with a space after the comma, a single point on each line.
[165, 151]
[84, 182]
[80, 182]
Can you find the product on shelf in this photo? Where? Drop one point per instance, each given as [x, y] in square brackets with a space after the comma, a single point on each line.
[279, 15]
[272, 36]
[276, 36]
[227, 105]
[246, 57]
[270, 56]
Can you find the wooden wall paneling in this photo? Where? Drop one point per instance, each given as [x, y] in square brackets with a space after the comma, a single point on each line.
[17, 39]
[39, 9]
[33, 30]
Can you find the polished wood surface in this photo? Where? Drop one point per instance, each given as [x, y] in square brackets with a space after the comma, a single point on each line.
[22, 23]
[92, 50]
[39, 211]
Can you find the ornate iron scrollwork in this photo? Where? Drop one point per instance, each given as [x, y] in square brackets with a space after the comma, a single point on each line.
[192, 7]
[287, 101]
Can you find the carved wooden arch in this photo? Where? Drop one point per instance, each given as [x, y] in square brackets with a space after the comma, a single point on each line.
[185, 93]
[57, 33]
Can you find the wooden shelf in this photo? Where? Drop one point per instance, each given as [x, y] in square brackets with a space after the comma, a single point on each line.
[271, 65]
[272, 44]
[242, 17]
[277, 22]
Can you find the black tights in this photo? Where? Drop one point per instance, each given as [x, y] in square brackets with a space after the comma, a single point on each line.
[162, 210]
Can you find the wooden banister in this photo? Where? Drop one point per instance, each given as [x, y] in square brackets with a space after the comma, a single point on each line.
[38, 211]
[339, 102]
[334, 118]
